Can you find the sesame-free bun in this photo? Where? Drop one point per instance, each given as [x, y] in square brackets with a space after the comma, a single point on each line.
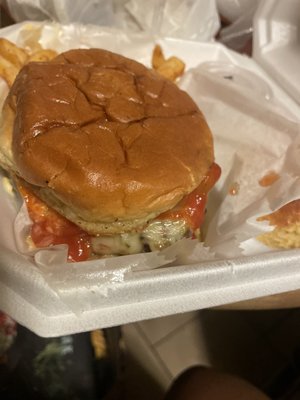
[102, 139]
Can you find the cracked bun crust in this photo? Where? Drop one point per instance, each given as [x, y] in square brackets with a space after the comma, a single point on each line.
[102, 139]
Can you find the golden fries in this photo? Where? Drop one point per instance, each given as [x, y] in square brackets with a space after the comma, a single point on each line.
[12, 53]
[171, 68]
[13, 58]
[42, 55]
[157, 57]
[8, 71]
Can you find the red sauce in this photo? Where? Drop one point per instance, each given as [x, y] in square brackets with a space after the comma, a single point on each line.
[50, 228]
[284, 216]
[269, 179]
[192, 207]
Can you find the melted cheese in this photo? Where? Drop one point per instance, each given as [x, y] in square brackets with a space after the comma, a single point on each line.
[157, 236]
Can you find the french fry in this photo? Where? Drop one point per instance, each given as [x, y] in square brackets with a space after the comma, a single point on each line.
[42, 55]
[13, 58]
[8, 71]
[172, 68]
[157, 57]
[13, 53]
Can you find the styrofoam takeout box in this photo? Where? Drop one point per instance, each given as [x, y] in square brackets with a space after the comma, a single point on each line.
[276, 45]
[138, 295]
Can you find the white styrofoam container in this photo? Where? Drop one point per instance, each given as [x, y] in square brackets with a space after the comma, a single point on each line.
[276, 44]
[27, 297]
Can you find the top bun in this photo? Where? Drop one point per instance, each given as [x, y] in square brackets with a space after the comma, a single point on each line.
[104, 140]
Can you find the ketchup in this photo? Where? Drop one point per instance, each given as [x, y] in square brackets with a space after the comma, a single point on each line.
[192, 207]
[50, 228]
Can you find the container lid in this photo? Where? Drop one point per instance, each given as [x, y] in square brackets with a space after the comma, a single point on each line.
[276, 42]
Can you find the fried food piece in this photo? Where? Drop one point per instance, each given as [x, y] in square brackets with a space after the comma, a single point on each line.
[8, 71]
[13, 58]
[171, 68]
[42, 55]
[286, 232]
[12, 53]
[157, 57]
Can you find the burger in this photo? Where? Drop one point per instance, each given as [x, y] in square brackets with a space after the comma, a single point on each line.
[110, 157]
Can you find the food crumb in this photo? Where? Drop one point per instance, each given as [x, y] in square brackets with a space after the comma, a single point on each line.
[234, 189]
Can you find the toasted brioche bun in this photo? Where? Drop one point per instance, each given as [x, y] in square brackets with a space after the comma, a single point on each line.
[103, 140]
[286, 222]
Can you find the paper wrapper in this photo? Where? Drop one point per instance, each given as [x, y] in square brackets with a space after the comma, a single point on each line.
[253, 136]
[252, 140]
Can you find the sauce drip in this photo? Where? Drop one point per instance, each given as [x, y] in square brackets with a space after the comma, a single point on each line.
[269, 179]
[192, 207]
[50, 228]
